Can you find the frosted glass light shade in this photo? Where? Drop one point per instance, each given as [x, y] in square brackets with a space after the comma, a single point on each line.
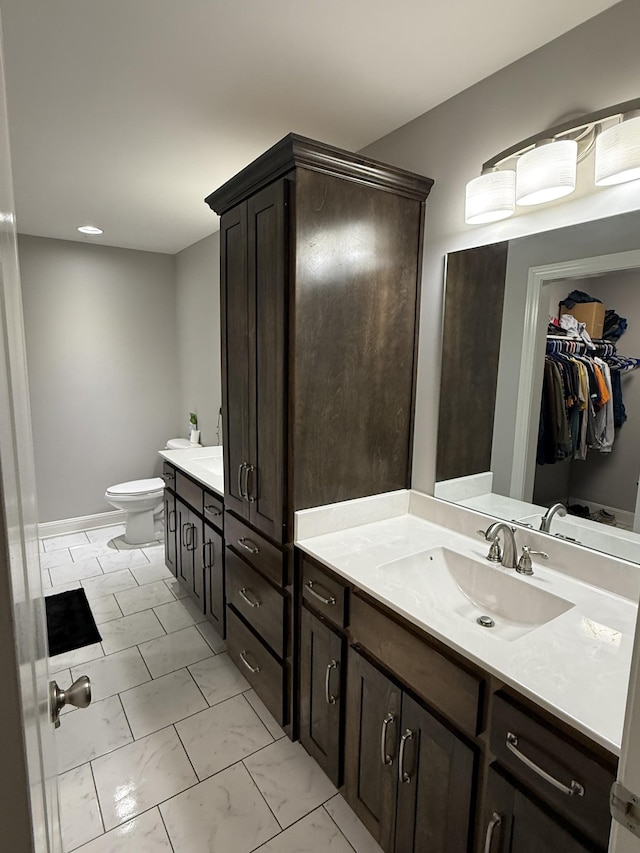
[547, 172]
[618, 153]
[491, 197]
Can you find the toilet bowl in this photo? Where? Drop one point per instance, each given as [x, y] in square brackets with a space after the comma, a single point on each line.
[142, 500]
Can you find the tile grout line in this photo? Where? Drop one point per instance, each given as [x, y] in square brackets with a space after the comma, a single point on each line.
[260, 792]
[273, 740]
[166, 829]
[326, 811]
[97, 799]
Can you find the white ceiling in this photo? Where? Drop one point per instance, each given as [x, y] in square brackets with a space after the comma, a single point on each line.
[126, 113]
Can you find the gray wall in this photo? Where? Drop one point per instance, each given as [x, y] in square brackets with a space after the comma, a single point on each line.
[103, 368]
[198, 331]
[588, 68]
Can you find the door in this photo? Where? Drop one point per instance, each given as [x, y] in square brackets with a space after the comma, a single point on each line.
[28, 783]
[183, 554]
[371, 747]
[170, 532]
[235, 355]
[321, 694]
[435, 785]
[213, 555]
[197, 556]
[514, 824]
[267, 273]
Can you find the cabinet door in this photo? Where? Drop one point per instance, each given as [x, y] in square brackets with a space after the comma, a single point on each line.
[514, 824]
[183, 554]
[235, 354]
[195, 549]
[267, 276]
[321, 691]
[435, 785]
[371, 747]
[213, 554]
[170, 532]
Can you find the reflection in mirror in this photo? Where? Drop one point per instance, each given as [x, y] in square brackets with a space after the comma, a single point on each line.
[529, 417]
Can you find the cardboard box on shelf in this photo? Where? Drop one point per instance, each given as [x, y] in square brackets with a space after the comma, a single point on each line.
[589, 313]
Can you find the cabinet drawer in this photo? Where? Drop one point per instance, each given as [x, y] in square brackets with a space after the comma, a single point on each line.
[439, 681]
[189, 491]
[212, 508]
[169, 475]
[323, 593]
[261, 604]
[263, 672]
[520, 740]
[266, 557]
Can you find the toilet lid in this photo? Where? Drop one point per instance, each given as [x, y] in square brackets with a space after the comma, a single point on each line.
[137, 487]
[178, 443]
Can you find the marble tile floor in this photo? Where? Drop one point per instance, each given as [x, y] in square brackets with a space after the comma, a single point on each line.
[176, 753]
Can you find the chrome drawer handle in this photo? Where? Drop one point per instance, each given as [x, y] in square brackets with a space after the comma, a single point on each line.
[248, 496]
[243, 658]
[330, 699]
[325, 600]
[252, 548]
[168, 477]
[385, 758]
[241, 468]
[212, 510]
[172, 514]
[403, 776]
[252, 602]
[575, 789]
[493, 824]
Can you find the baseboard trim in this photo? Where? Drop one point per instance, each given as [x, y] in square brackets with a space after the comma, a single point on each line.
[83, 522]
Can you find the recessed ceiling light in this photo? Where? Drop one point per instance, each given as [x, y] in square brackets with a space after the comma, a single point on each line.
[90, 229]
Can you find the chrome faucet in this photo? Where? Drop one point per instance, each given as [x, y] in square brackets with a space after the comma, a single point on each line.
[547, 518]
[509, 554]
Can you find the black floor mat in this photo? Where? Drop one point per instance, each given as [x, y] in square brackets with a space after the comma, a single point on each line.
[70, 622]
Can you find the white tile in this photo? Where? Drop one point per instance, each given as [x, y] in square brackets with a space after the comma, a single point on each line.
[105, 534]
[226, 813]
[218, 678]
[76, 657]
[176, 588]
[46, 579]
[63, 587]
[129, 631]
[143, 597]
[114, 673]
[75, 571]
[155, 553]
[56, 558]
[350, 824]
[222, 735]
[54, 543]
[179, 614]
[90, 732]
[105, 609]
[141, 775]
[174, 651]
[212, 637]
[90, 550]
[290, 780]
[160, 702]
[261, 710]
[151, 572]
[315, 833]
[144, 834]
[108, 584]
[79, 812]
[118, 560]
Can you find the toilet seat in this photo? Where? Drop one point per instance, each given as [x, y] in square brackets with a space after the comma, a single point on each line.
[136, 488]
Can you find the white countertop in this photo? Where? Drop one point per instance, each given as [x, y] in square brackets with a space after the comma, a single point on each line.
[576, 666]
[202, 463]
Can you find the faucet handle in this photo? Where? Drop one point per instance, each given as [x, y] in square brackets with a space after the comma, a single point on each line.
[525, 566]
[495, 551]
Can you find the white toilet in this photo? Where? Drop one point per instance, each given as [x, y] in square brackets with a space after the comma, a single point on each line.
[142, 500]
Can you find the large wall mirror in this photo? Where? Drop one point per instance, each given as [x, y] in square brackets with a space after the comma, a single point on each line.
[524, 418]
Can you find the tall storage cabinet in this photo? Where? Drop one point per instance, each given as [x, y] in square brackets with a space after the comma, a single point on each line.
[320, 265]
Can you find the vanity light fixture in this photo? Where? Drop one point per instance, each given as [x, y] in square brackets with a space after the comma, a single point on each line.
[543, 168]
[90, 229]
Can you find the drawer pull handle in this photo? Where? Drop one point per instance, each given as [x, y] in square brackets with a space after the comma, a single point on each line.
[575, 789]
[331, 700]
[324, 599]
[241, 468]
[252, 602]
[243, 658]
[403, 776]
[185, 527]
[192, 544]
[493, 824]
[213, 510]
[248, 545]
[248, 495]
[168, 477]
[172, 515]
[386, 759]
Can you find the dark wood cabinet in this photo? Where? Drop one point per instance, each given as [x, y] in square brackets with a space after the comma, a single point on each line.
[214, 576]
[514, 823]
[322, 685]
[189, 551]
[170, 557]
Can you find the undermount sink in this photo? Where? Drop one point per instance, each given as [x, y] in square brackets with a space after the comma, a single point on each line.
[212, 464]
[473, 589]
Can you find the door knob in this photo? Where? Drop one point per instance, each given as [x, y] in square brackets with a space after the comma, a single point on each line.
[78, 695]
